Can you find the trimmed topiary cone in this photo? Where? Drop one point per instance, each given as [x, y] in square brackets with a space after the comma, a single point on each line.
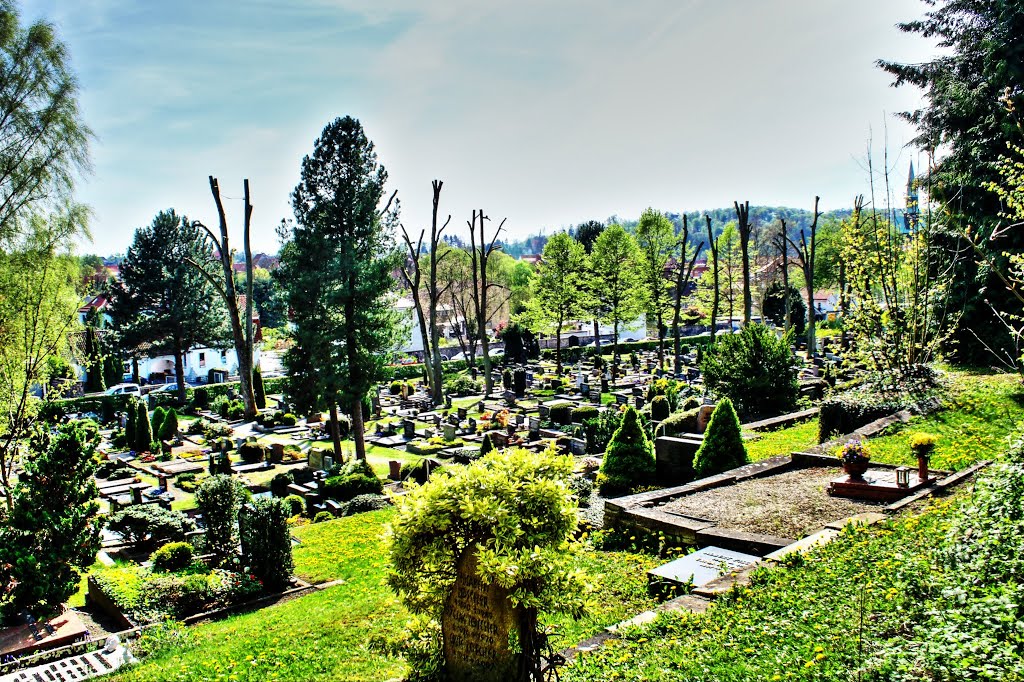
[723, 447]
[629, 459]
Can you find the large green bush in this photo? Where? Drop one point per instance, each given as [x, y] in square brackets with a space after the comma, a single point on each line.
[266, 541]
[846, 412]
[144, 526]
[723, 447]
[143, 429]
[174, 556]
[219, 498]
[514, 511]
[629, 460]
[561, 413]
[755, 369]
[51, 531]
[344, 488]
[680, 422]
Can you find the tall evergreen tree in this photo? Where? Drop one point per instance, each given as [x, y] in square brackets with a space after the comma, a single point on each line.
[338, 270]
[53, 529]
[163, 301]
[973, 95]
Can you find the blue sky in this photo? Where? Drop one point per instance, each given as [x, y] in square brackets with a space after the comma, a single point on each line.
[547, 112]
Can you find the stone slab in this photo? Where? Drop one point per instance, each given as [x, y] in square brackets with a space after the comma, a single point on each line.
[702, 566]
[877, 485]
[823, 536]
[22, 640]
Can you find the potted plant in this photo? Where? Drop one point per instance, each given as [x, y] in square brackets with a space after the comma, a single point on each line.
[855, 459]
[923, 445]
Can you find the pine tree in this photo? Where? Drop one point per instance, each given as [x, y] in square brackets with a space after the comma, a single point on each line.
[629, 460]
[337, 268]
[723, 447]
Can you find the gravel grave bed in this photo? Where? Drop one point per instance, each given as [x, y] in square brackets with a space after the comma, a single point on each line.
[788, 505]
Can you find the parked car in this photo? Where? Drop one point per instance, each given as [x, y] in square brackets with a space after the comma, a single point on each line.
[125, 389]
[459, 356]
[169, 388]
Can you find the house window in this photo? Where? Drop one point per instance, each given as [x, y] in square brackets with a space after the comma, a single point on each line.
[202, 360]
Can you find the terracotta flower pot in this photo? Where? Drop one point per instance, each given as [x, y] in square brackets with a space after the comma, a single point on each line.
[857, 468]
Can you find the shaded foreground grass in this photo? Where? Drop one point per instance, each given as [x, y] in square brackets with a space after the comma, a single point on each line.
[325, 635]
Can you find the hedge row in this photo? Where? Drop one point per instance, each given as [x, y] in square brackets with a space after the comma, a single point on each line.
[577, 353]
[846, 412]
[103, 405]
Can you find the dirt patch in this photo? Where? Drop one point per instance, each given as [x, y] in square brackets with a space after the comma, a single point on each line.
[789, 505]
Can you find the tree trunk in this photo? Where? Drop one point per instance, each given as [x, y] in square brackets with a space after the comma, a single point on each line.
[597, 338]
[179, 370]
[714, 274]
[558, 349]
[335, 432]
[743, 220]
[357, 430]
[434, 297]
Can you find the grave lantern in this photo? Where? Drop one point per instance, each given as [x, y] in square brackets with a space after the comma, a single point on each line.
[903, 477]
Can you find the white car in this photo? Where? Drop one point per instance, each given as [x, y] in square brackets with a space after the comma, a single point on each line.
[125, 389]
[169, 388]
[459, 356]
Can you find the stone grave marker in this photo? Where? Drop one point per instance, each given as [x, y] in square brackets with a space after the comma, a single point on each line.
[462, 413]
[472, 425]
[621, 399]
[638, 400]
[328, 462]
[534, 424]
[476, 624]
[449, 432]
[584, 388]
[701, 567]
[408, 429]
[315, 460]
[578, 446]
[595, 396]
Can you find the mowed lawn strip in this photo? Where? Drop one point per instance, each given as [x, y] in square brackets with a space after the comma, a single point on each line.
[325, 635]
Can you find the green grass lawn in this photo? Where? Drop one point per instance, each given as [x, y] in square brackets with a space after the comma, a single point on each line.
[784, 441]
[982, 412]
[325, 635]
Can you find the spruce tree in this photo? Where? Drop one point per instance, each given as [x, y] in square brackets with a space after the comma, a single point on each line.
[723, 447]
[157, 420]
[629, 460]
[337, 268]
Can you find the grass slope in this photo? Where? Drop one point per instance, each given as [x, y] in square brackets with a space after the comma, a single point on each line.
[325, 635]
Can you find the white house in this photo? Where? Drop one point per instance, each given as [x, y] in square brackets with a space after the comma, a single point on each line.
[412, 340]
[198, 361]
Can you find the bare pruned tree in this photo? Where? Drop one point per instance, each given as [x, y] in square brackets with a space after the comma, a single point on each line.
[684, 272]
[224, 284]
[805, 256]
[480, 254]
[743, 227]
[713, 246]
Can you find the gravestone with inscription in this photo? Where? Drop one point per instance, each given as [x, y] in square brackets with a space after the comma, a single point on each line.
[476, 626]
[701, 567]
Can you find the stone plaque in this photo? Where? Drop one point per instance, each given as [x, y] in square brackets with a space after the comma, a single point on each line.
[476, 625]
[595, 396]
[449, 432]
[702, 566]
[409, 429]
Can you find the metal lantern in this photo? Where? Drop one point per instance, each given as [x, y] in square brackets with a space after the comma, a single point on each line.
[903, 477]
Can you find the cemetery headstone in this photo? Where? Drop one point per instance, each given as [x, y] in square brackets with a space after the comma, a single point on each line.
[476, 625]
[395, 470]
[315, 460]
[462, 413]
[328, 462]
[472, 425]
[534, 425]
[584, 388]
[408, 429]
[595, 396]
[578, 446]
[638, 401]
[449, 432]
[276, 453]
